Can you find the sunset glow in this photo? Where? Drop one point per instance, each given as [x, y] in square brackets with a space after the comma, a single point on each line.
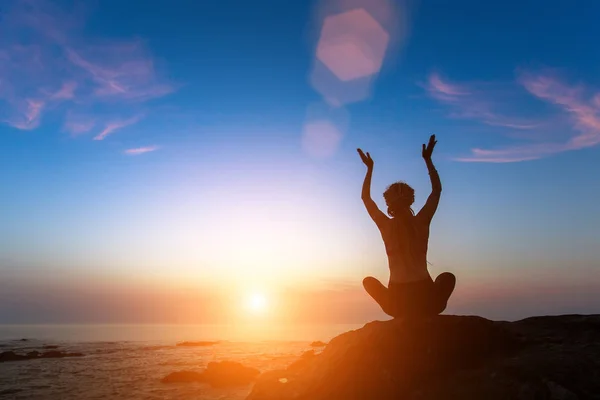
[257, 303]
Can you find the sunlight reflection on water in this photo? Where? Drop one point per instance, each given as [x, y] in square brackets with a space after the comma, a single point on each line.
[128, 362]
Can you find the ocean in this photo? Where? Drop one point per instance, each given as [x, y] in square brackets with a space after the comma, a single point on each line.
[129, 361]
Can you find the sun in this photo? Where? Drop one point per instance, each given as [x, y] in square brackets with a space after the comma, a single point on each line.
[257, 302]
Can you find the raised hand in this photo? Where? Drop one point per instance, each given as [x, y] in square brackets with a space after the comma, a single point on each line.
[429, 149]
[366, 159]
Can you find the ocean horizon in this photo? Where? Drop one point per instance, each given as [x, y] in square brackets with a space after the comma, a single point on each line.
[171, 333]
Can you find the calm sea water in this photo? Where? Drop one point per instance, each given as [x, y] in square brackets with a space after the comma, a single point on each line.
[128, 361]
[172, 333]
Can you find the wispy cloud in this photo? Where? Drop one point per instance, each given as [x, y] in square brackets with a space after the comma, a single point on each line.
[115, 125]
[583, 112]
[120, 71]
[444, 90]
[471, 103]
[67, 91]
[525, 152]
[27, 114]
[77, 124]
[48, 64]
[141, 150]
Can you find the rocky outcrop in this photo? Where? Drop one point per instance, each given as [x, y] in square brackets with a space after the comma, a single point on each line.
[449, 357]
[217, 374]
[318, 343]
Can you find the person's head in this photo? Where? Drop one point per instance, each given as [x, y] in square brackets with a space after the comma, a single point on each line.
[399, 197]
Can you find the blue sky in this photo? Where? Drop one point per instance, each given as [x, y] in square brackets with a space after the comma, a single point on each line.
[206, 142]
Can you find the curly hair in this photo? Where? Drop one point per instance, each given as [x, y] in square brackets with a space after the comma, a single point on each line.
[397, 196]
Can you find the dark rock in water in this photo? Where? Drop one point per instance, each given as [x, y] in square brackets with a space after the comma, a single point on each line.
[196, 344]
[59, 354]
[183, 376]
[6, 392]
[32, 355]
[217, 374]
[52, 354]
[50, 347]
[229, 373]
[23, 340]
[318, 343]
[449, 357]
[11, 356]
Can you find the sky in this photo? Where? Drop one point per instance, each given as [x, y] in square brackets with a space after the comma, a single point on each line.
[162, 161]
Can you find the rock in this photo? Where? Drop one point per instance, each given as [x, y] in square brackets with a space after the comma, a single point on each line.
[50, 347]
[305, 359]
[183, 376]
[59, 354]
[6, 392]
[318, 343]
[196, 344]
[229, 373]
[217, 374]
[12, 356]
[449, 357]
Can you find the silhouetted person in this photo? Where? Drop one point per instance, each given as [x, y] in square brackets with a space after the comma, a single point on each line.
[411, 291]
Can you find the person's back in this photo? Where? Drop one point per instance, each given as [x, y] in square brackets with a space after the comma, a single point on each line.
[406, 241]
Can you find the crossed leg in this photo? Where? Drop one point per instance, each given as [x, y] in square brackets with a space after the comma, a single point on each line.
[379, 293]
[443, 287]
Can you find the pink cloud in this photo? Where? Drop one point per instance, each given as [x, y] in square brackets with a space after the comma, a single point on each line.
[46, 58]
[28, 115]
[141, 150]
[470, 103]
[439, 87]
[584, 114]
[120, 70]
[115, 125]
[78, 124]
[67, 91]
[526, 152]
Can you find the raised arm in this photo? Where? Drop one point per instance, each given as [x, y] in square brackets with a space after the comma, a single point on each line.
[428, 210]
[376, 214]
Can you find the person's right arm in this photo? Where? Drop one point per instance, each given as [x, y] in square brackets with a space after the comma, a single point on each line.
[431, 205]
[376, 214]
